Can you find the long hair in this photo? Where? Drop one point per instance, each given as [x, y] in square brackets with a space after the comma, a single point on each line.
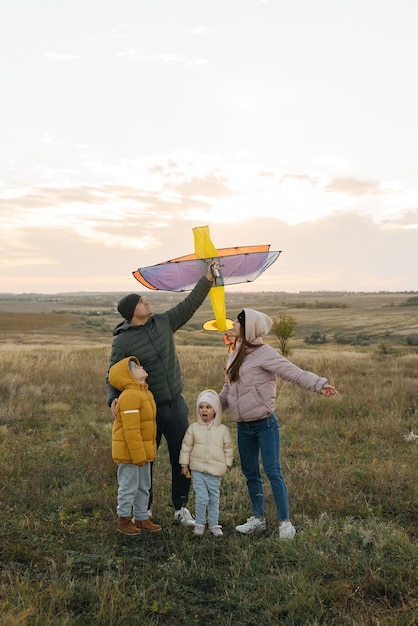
[233, 369]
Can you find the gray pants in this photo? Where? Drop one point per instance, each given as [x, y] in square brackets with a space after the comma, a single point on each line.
[133, 493]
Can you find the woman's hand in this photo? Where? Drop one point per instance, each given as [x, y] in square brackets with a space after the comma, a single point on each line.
[328, 390]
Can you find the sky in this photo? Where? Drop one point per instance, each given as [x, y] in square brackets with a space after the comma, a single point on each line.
[124, 124]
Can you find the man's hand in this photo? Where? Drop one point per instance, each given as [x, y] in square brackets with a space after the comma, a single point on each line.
[113, 408]
[213, 269]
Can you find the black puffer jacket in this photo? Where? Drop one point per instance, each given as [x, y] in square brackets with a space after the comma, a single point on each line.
[153, 345]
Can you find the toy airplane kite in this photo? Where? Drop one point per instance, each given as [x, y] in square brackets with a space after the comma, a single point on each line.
[238, 265]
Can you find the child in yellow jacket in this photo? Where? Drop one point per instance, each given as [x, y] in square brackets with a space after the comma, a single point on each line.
[207, 451]
[133, 445]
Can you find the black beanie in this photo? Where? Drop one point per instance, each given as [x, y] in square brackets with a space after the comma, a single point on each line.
[241, 318]
[126, 306]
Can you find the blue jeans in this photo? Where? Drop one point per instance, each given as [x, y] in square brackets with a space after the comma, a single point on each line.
[206, 488]
[263, 436]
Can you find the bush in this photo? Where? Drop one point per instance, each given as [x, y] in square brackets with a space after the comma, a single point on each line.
[352, 339]
[316, 337]
[412, 340]
[411, 302]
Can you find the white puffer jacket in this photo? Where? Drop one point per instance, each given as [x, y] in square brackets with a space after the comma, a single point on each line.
[204, 449]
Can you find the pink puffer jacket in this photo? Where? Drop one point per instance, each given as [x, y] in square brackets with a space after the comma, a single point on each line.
[253, 395]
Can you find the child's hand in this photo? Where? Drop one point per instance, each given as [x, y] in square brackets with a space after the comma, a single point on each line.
[185, 471]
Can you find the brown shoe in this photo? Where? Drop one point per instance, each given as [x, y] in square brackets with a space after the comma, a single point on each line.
[146, 524]
[127, 527]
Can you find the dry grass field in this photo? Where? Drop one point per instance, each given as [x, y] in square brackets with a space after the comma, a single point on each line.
[351, 465]
[382, 316]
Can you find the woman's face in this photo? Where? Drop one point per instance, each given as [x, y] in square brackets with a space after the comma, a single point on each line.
[236, 329]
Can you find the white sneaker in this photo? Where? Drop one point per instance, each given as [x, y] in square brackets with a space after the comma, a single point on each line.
[287, 530]
[216, 530]
[253, 524]
[199, 529]
[184, 516]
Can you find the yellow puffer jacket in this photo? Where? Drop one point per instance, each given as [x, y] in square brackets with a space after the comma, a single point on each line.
[134, 430]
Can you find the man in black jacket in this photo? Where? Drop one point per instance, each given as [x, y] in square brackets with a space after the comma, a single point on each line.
[149, 337]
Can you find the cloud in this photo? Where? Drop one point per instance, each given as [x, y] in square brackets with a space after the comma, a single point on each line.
[338, 252]
[199, 61]
[175, 58]
[170, 58]
[198, 30]
[197, 183]
[408, 218]
[132, 55]
[20, 252]
[183, 188]
[355, 187]
[329, 240]
[210, 186]
[57, 56]
[341, 252]
[304, 178]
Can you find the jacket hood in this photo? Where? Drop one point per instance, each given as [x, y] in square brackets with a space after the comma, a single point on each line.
[120, 375]
[211, 397]
[257, 324]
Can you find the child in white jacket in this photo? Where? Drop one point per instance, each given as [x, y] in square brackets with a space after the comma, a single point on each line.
[207, 452]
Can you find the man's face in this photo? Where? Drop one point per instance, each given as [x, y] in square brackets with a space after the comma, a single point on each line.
[142, 309]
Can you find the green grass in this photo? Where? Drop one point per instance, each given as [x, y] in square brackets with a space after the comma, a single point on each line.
[352, 481]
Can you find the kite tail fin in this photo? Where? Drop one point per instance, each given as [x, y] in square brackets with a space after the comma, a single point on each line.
[204, 248]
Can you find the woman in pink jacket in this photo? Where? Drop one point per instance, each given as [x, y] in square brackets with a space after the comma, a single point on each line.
[250, 395]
